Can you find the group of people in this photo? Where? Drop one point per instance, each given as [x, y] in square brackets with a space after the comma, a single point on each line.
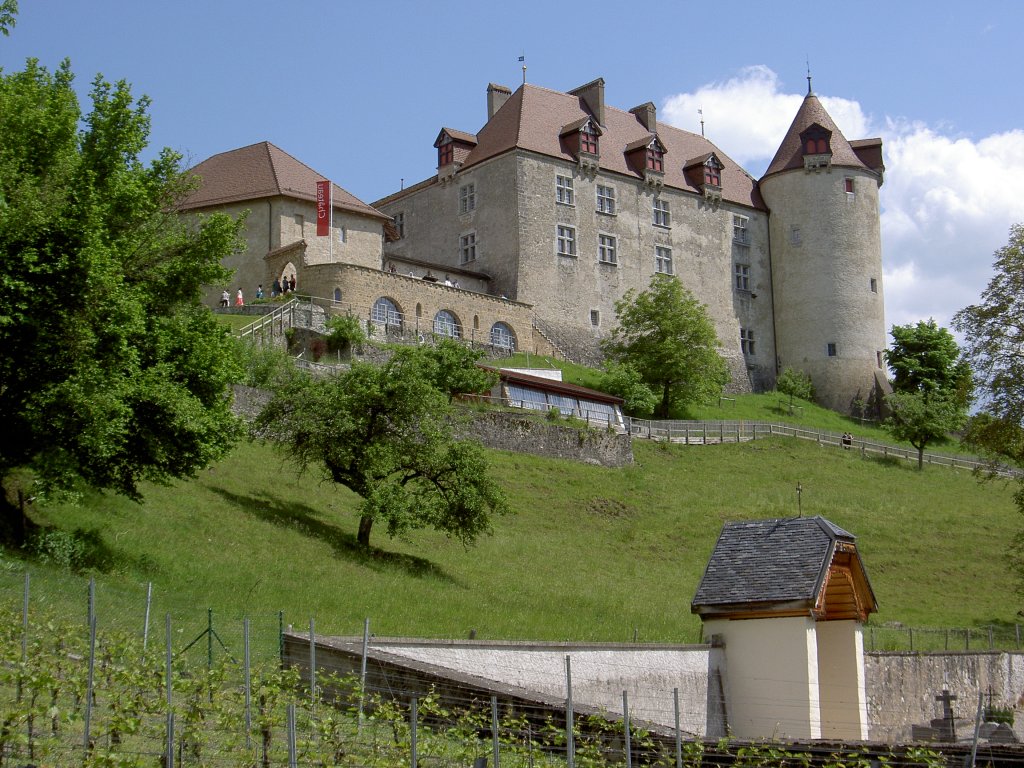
[282, 286]
[847, 440]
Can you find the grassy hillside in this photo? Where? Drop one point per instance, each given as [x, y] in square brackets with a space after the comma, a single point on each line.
[591, 553]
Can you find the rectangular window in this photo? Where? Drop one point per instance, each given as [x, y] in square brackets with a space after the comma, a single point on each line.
[564, 192]
[740, 234]
[588, 139]
[663, 259]
[605, 199]
[874, 285]
[467, 247]
[342, 235]
[566, 240]
[742, 272]
[595, 317]
[831, 349]
[446, 153]
[795, 238]
[747, 341]
[606, 249]
[848, 185]
[467, 198]
[662, 214]
[298, 225]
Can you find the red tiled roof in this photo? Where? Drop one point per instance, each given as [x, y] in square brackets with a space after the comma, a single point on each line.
[259, 171]
[791, 155]
[533, 119]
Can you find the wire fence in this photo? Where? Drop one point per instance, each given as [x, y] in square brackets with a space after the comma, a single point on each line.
[94, 680]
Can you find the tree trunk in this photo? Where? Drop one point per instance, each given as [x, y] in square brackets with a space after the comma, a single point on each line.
[920, 458]
[365, 524]
[662, 410]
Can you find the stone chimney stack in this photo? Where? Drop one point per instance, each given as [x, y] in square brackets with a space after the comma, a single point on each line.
[593, 96]
[497, 95]
[647, 115]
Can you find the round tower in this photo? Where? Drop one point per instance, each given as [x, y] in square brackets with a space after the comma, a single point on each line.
[826, 257]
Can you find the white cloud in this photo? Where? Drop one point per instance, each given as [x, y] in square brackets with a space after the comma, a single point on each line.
[947, 202]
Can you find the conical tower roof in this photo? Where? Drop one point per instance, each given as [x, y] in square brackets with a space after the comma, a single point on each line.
[791, 156]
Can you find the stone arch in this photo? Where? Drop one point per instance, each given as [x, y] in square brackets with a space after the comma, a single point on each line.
[447, 324]
[503, 336]
[387, 313]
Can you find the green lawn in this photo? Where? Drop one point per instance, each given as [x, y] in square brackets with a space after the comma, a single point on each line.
[591, 553]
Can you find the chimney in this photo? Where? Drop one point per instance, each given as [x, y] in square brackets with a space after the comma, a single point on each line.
[647, 114]
[593, 96]
[497, 95]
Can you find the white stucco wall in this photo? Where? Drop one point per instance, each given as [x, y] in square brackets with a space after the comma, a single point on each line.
[771, 678]
[844, 713]
[600, 674]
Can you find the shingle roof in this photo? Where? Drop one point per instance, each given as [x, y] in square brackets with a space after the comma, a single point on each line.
[534, 118]
[759, 564]
[263, 170]
[790, 154]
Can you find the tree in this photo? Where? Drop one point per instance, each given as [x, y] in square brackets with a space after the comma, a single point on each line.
[795, 384]
[931, 385]
[387, 434]
[452, 367]
[111, 372]
[993, 331]
[665, 334]
[625, 381]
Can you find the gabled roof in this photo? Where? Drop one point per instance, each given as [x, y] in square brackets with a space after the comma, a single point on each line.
[791, 156]
[455, 135]
[535, 118]
[804, 566]
[263, 170]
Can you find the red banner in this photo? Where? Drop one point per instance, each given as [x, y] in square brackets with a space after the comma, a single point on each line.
[323, 208]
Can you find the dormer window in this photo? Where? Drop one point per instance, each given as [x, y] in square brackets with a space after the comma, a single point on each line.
[817, 147]
[656, 157]
[712, 174]
[446, 153]
[588, 139]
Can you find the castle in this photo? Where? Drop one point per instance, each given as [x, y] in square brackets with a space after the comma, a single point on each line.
[535, 225]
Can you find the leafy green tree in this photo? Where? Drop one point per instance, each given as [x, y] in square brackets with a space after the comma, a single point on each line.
[111, 371]
[993, 331]
[931, 385]
[452, 367]
[926, 358]
[387, 433]
[8, 16]
[665, 334]
[344, 332]
[795, 384]
[625, 381]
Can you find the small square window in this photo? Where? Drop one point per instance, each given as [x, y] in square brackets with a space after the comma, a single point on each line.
[874, 285]
[795, 238]
[663, 260]
[606, 249]
[831, 348]
[566, 240]
[662, 213]
[605, 199]
[564, 192]
[595, 317]
[467, 198]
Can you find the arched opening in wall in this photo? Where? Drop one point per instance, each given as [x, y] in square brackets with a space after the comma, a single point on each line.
[337, 294]
[446, 324]
[503, 337]
[387, 315]
[419, 310]
[288, 278]
[476, 322]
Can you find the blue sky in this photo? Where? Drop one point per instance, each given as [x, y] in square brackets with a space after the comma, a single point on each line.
[359, 91]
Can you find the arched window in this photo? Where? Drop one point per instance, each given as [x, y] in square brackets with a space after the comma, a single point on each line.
[419, 310]
[503, 337]
[386, 312]
[447, 324]
[337, 294]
